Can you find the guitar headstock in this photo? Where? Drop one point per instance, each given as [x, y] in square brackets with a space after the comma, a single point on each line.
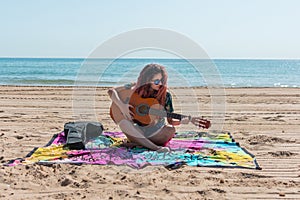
[201, 122]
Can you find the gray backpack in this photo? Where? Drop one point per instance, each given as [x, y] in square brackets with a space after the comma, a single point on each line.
[81, 132]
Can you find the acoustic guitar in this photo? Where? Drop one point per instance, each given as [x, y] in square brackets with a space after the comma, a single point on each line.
[147, 110]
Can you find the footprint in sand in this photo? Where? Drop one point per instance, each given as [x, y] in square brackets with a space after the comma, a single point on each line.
[264, 139]
[282, 154]
[277, 118]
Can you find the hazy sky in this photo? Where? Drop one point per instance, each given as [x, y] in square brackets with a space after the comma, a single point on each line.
[224, 28]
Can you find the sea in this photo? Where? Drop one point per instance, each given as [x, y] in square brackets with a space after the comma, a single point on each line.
[181, 72]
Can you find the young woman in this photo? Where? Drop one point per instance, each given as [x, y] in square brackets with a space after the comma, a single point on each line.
[151, 83]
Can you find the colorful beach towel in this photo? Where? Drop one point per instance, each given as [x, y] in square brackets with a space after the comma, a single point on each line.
[210, 149]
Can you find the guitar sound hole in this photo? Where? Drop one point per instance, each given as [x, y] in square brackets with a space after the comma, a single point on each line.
[142, 109]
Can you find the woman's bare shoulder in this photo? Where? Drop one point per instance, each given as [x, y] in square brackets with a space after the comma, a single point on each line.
[127, 86]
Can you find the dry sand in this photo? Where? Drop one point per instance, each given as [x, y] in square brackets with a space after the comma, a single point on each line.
[263, 120]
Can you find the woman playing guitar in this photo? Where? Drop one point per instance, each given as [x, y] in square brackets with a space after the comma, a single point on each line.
[132, 105]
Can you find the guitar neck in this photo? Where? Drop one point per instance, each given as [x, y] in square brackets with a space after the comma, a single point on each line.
[175, 116]
[166, 114]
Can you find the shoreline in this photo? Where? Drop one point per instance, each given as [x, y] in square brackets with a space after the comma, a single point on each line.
[175, 87]
[147, 58]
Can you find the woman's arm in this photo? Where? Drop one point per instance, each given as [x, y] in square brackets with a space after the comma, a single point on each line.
[173, 122]
[169, 108]
[176, 122]
[124, 108]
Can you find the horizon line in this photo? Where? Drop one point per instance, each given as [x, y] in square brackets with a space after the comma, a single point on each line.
[162, 58]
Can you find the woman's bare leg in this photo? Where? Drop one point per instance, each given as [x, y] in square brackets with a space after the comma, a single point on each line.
[135, 136]
[163, 136]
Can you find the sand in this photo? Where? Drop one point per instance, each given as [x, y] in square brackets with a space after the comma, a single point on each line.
[263, 120]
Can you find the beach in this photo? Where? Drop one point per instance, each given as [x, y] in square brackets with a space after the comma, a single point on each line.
[265, 121]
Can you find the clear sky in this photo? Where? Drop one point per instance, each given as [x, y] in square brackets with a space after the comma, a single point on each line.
[224, 28]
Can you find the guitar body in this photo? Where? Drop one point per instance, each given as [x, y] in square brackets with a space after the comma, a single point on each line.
[140, 108]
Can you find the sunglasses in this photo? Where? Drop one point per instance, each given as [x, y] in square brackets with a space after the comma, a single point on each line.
[157, 81]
